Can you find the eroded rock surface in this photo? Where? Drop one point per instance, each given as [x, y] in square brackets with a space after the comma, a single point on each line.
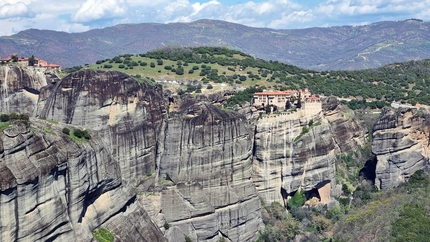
[53, 189]
[207, 153]
[155, 160]
[125, 113]
[20, 89]
[286, 160]
[401, 144]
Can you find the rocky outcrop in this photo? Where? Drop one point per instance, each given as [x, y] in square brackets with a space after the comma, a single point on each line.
[125, 113]
[155, 164]
[53, 189]
[207, 154]
[20, 88]
[401, 144]
[287, 160]
[197, 163]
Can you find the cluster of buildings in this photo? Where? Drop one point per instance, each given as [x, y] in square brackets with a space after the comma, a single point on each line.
[24, 61]
[308, 101]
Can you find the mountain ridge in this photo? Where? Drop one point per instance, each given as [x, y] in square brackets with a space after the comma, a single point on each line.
[317, 48]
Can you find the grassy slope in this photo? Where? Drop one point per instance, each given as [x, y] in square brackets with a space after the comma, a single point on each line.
[159, 73]
[400, 82]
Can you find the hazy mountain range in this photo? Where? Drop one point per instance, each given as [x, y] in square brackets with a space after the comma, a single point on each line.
[343, 47]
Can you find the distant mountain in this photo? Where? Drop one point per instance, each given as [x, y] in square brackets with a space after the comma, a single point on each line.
[333, 48]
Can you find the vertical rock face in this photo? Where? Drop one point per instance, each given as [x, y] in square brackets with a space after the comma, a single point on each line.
[286, 160]
[125, 113]
[401, 144]
[207, 153]
[54, 189]
[204, 168]
[19, 89]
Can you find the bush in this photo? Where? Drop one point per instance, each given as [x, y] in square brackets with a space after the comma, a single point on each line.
[166, 225]
[335, 213]
[412, 224]
[4, 118]
[121, 66]
[300, 213]
[152, 65]
[66, 131]
[188, 239]
[103, 235]
[78, 133]
[297, 200]
[86, 135]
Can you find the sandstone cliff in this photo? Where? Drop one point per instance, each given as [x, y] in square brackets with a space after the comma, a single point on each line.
[285, 162]
[125, 113]
[155, 160]
[20, 89]
[203, 153]
[53, 189]
[207, 153]
[401, 144]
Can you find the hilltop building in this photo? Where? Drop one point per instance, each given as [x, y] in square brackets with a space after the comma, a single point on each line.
[279, 98]
[24, 61]
[309, 102]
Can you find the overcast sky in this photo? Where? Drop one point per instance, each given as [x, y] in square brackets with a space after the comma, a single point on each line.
[82, 15]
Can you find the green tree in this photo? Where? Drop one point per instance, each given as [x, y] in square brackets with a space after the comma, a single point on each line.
[4, 118]
[66, 131]
[287, 104]
[78, 133]
[297, 200]
[31, 61]
[14, 58]
[299, 103]
[412, 224]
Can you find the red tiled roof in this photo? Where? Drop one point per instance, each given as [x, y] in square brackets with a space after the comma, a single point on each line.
[287, 92]
[313, 98]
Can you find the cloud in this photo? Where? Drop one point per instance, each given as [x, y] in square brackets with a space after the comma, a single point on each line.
[80, 15]
[16, 10]
[92, 10]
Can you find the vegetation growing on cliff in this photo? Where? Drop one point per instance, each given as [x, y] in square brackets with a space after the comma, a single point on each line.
[396, 214]
[7, 118]
[103, 235]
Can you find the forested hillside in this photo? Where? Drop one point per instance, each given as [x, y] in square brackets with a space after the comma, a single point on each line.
[333, 48]
[400, 82]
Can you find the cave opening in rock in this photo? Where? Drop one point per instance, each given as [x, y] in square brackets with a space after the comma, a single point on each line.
[311, 194]
[368, 172]
[284, 196]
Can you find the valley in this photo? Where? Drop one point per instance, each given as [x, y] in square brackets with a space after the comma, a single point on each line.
[116, 152]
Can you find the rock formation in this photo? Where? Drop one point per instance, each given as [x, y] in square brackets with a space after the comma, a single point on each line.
[401, 144]
[53, 189]
[125, 113]
[285, 160]
[207, 153]
[19, 89]
[158, 167]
